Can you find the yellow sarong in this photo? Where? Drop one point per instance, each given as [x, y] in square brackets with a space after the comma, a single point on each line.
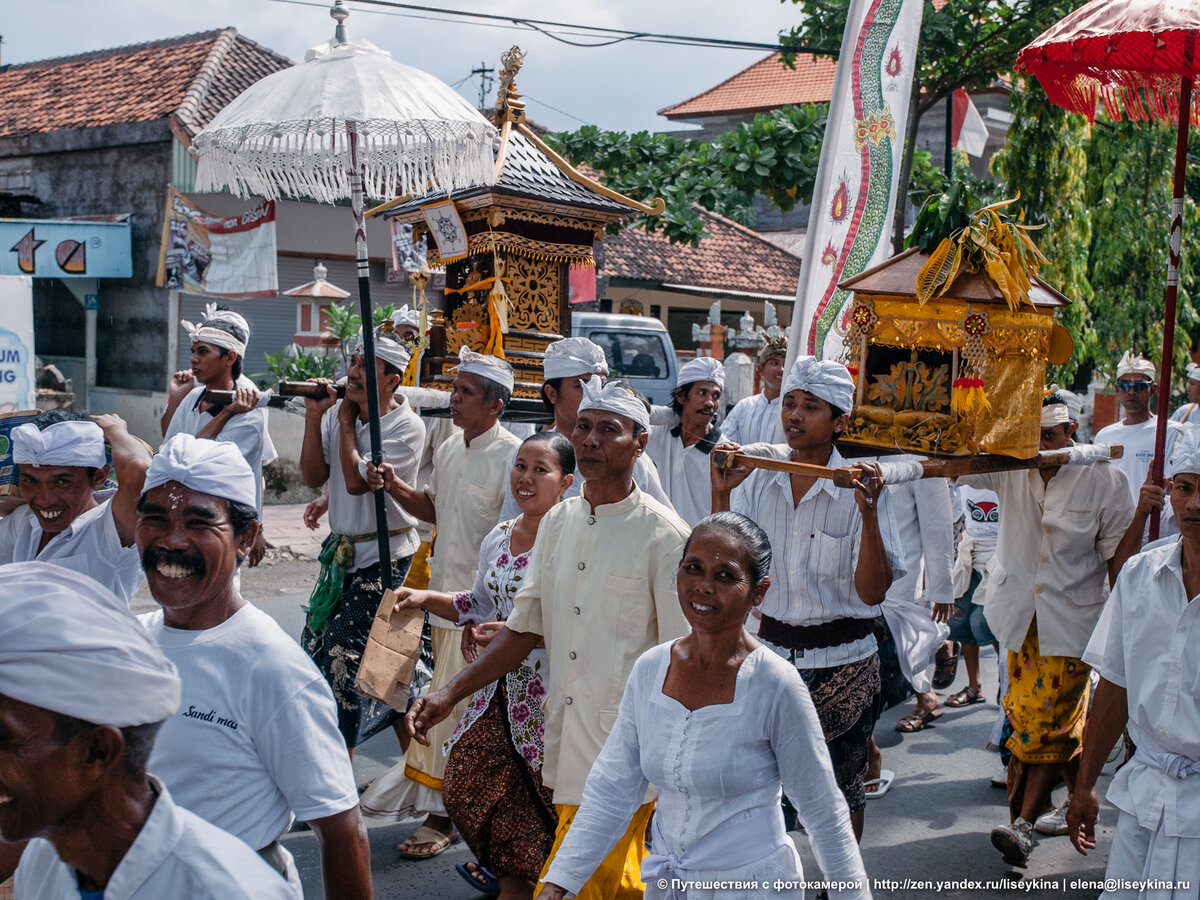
[1046, 703]
[619, 877]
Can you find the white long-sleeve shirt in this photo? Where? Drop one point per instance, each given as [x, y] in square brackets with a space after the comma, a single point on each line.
[721, 767]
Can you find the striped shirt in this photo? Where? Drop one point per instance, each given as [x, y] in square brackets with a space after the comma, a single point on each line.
[815, 545]
[753, 420]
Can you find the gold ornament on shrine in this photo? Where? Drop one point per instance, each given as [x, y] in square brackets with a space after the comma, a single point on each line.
[959, 374]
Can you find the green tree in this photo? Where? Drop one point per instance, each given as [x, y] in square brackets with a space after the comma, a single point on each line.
[1044, 163]
[776, 154]
[965, 44]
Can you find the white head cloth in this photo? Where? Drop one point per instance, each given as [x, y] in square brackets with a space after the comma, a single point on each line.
[1135, 365]
[75, 443]
[822, 378]
[1057, 413]
[388, 348]
[69, 645]
[214, 329]
[702, 368]
[406, 315]
[574, 356]
[614, 398]
[1193, 371]
[488, 367]
[210, 467]
[1185, 458]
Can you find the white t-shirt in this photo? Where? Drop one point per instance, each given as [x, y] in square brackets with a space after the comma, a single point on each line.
[685, 471]
[176, 854]
[255, 739]
[89, 545]
[247, 431]
[981, 520]
[1138, 441]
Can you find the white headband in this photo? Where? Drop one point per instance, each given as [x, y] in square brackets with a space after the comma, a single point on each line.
[1059, 413]
[1193, 372]
[210, 467]
[702, 368]
[1185, 457]
[210, 330]
[614, 398]
[822, 378]
[573, 356]
[405, 315]
[75, 443]
[70, 646]
[488, 367]
[1135, 365]
[388, 348]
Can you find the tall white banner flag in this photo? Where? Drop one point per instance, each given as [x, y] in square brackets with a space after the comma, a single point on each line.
[849, 226]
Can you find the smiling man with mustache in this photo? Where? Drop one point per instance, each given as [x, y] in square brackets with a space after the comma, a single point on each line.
[65, 521]
[255, 744]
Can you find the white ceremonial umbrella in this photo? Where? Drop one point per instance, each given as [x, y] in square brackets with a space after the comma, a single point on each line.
[348, 120]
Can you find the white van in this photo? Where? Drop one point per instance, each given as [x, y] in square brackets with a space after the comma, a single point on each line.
[638, 349]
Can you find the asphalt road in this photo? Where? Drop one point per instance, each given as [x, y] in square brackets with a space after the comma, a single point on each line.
[933, 826]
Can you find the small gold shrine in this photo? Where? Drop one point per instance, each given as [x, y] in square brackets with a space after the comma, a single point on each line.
[959, 375]
[509, 294]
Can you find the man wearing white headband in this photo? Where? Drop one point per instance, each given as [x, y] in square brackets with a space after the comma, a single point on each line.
[218, 350]
[755, 419]
[1146, 649]
[335, 452]
[568, 365]
[680, 450]
[255, 743]
[1187, 412]
[1047, 585]
[62, 465]
[835, 553]
[600, 592]
[1135, 431]
[83, 692]
[462, 498]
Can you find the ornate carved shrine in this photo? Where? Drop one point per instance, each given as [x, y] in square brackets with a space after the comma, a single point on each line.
[509, 293]
[958, 375]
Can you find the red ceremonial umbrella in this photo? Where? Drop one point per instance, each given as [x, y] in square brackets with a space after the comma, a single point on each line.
[1139, 58]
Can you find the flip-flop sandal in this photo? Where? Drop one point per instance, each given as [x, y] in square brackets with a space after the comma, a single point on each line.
[489, 886]
[917, 721]
[965, 697]
[945, 669]
[885, 779]
[427, 835]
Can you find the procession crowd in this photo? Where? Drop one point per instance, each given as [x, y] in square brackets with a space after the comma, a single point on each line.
[639, 671]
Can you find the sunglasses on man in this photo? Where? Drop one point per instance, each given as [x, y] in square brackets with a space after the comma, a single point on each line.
[1134, 387]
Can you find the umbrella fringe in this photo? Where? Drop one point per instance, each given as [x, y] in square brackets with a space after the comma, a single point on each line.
[273, 161]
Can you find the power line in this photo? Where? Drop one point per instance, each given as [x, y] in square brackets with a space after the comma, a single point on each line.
[568, 29]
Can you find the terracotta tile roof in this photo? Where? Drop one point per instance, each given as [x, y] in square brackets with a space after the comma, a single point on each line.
[766, 85]
[191, 77]
[733, 258]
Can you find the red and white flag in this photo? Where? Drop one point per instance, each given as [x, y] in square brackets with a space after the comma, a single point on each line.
[970, 133]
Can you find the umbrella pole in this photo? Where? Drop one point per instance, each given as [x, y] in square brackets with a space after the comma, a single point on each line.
[368, 333]
[1174, 251]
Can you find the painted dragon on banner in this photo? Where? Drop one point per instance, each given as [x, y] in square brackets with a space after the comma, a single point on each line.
[860, 159]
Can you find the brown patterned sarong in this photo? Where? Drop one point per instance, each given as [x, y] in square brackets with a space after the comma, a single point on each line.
[496, 801]
[846, 698]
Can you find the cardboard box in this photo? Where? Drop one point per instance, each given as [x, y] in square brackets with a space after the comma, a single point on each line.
[391, 654]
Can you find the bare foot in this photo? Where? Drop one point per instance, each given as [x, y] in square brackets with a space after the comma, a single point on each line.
[874, 767]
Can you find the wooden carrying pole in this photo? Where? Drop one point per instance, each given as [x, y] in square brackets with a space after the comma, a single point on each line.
[844, 476]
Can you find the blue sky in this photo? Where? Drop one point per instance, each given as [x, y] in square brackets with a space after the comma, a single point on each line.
[618, 87]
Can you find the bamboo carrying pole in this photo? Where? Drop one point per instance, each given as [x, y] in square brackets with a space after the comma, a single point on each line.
[844, 476]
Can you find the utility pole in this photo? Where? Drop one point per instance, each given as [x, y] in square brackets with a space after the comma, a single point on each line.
[485, 83]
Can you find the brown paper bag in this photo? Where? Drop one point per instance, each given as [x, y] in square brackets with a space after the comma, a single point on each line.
[393, 647]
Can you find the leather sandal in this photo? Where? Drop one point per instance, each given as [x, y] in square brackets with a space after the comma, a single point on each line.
[965, 697]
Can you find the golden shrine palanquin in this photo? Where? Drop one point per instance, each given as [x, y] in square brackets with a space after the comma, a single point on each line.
[538, 219]
[910, 359]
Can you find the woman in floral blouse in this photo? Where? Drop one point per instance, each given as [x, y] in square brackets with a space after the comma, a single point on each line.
[493, 786]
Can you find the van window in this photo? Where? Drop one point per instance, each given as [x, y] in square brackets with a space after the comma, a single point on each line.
[633, 354]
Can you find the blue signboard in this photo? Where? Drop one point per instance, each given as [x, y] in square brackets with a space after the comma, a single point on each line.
[63, 248]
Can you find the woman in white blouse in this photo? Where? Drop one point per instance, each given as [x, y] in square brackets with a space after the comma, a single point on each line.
[721, 726]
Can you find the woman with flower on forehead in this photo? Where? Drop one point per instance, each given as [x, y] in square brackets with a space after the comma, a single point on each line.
[493, 786]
